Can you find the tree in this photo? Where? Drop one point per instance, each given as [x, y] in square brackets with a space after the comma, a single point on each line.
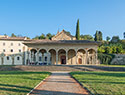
[37, 37]
[96, 36]
[49, 36]
[87, 37]
[115, 39]
[42, 36]
[77, 31]
[13, 35]
[100, 35]
[108, 38]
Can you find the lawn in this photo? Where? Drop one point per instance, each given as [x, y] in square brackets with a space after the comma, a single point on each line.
[19, 82]
[112, 65]
[102, 83]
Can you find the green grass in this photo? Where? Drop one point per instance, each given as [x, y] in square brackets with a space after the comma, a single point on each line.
[102, 83]
[112, 65]
[19, 82]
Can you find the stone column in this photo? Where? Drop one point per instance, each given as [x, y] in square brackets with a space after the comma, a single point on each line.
[66, 57]
[37, 57]
[12, 60]
[28, 60]
[42, 57]
[76, 58]
[86, 57]
[96, 57]
[56, 57]
[47, 58]
[2, 60]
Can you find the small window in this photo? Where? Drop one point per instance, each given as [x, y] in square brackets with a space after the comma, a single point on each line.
[45, 58]
[40, 58]
[7, 57]
[19, 44]
[11, 50]
[18, 58]
[4, 50]
[3, 44]
[19, 50]
[11, 44]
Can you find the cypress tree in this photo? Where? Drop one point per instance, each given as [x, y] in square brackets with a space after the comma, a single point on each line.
[100, 35]
[96, 36]
[77, 31]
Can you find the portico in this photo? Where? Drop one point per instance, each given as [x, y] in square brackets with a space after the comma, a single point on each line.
[62, 52]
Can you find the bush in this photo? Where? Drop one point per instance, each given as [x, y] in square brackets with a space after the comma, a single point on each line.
[105, 58]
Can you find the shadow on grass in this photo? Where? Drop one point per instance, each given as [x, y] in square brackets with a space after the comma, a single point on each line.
[47, 92]
[22, 72]
[14, 88]
[110, 74]
[95, 68]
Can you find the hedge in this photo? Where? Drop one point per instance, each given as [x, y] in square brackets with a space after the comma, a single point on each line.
[105, 58]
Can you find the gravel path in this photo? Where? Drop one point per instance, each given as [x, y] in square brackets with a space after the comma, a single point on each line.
[59, 83]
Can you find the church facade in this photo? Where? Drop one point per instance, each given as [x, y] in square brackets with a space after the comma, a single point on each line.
[63, 49]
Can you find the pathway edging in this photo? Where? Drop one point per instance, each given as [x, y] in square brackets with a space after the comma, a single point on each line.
[37, 85]
[81, 85]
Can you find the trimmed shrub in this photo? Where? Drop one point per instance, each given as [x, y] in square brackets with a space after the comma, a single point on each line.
[105, 58]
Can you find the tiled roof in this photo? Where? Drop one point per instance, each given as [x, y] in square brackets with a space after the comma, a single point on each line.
[13, 38]
[60, 42]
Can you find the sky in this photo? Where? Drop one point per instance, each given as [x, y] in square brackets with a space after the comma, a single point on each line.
[34, 17]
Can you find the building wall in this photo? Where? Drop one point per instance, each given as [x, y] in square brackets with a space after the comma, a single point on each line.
[13, 49]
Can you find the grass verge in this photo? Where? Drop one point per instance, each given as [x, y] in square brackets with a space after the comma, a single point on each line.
[102, 83]
[112, 65]
[19, 82]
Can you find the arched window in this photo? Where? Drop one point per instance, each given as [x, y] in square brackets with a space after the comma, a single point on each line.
[40, 58]
[18, 58]
[7, 57]
[45, 58]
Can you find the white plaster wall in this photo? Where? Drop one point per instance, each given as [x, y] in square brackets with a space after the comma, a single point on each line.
[8, 47]
[18, 62]
[7, 62]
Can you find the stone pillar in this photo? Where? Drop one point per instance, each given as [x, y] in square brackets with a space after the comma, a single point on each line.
[47, 58]
[37, 57]
[86, 57]
[12, 60]
[42, 57]
[2, 60]
[56, 57]
[66, 57]
[27, 62]
[96, 57]
[76, 58]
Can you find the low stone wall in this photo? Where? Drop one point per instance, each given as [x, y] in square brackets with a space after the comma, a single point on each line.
[119, 59]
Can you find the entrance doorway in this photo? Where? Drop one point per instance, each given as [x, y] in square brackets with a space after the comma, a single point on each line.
[63, 59]
[80, 61]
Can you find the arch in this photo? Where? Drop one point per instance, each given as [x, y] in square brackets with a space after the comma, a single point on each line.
[61, 56]
[81, 56]
[52, 56]
[33, 55]
[91, 56]
[18, 60]
[91, 51]
[42, 51]
[7, 60]
[71, 56]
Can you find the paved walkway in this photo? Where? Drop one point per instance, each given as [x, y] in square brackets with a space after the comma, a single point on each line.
[59, 83]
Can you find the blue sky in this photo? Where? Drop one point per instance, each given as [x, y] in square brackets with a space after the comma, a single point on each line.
[34, 17]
